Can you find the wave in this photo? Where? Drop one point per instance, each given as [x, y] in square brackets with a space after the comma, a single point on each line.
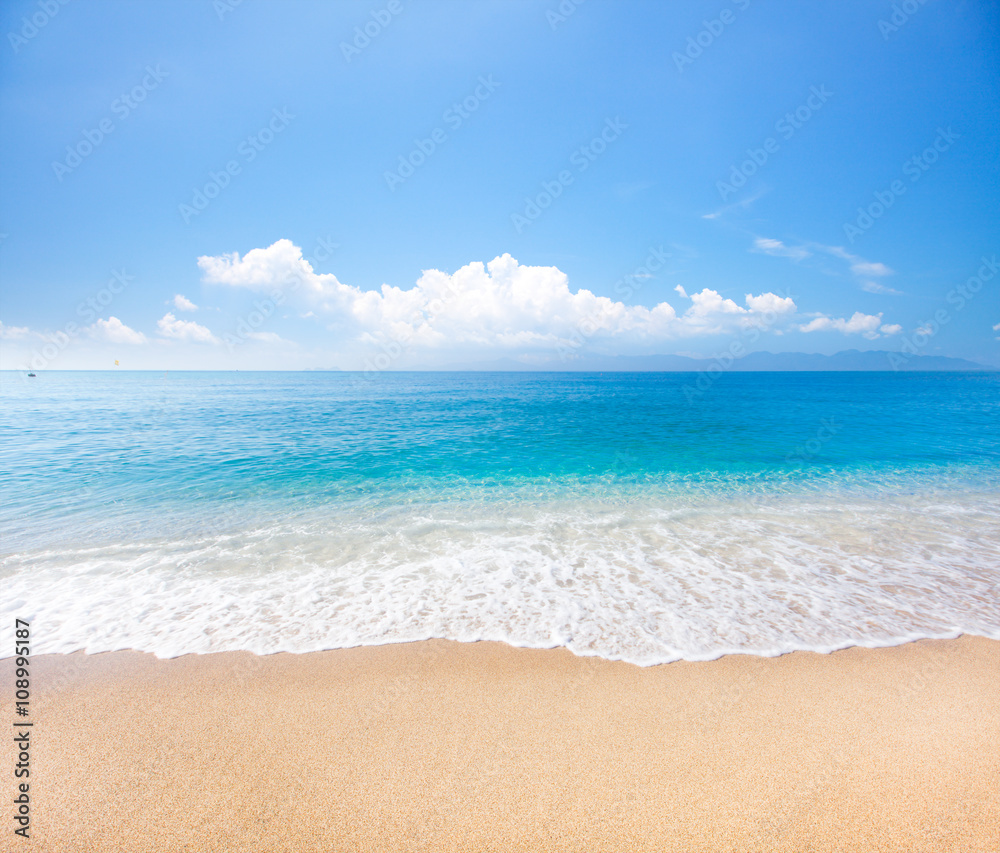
[634, 575]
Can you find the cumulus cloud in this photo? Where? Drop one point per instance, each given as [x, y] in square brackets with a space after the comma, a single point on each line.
[279, 265]
[114, 331]
[866, 325]
[501, 304]
[891, 329]
[184, 330]
[182, 303]
[770, 302]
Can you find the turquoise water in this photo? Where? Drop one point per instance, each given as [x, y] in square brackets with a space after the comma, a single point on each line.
[635, 516]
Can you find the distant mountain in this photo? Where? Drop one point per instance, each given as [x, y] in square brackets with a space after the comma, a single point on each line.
[853, 359]
[763, 361]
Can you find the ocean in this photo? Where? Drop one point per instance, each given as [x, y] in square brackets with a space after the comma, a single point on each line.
[644, 517]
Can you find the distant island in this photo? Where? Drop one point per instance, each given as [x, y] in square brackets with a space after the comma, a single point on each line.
[867, 360]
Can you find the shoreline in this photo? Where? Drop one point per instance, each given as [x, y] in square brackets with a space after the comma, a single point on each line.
[440, 745]
[826, 650]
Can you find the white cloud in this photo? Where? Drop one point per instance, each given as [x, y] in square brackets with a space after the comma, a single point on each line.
[866, 325]
[862, 267]
[184, 330]
[996, 328]
[863, 270]
[770, 302]
[742, 204]
[709, 302]
[502, 304]
[279, 265]
[893, 329]
[779, 249]
[267, 337]
[182, 303]
[13, 332]
[875, 287]
[114, 331]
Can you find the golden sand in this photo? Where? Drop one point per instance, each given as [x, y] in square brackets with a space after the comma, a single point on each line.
[442, 746]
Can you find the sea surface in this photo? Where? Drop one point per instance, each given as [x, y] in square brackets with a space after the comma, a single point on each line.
[641, 517]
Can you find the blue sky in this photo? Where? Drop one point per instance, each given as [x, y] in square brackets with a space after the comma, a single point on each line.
[261, 184]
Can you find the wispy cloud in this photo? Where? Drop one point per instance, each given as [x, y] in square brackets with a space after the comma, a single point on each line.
[863, 270]
[743, 204]
[858, 265]
[875, 287]
[769, 246]
[13, 332]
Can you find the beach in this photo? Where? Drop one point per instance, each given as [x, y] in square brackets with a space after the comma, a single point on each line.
[445, 746]
[499, 426]
[505, 612]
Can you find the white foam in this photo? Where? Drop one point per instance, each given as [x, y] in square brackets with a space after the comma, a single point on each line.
[642, 580]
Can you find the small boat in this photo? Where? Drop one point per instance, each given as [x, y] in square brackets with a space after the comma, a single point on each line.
[31, 375]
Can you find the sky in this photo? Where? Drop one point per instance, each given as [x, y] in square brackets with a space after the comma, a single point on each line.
[214, 184]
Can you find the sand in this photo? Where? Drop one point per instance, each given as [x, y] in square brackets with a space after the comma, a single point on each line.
[442, 746]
